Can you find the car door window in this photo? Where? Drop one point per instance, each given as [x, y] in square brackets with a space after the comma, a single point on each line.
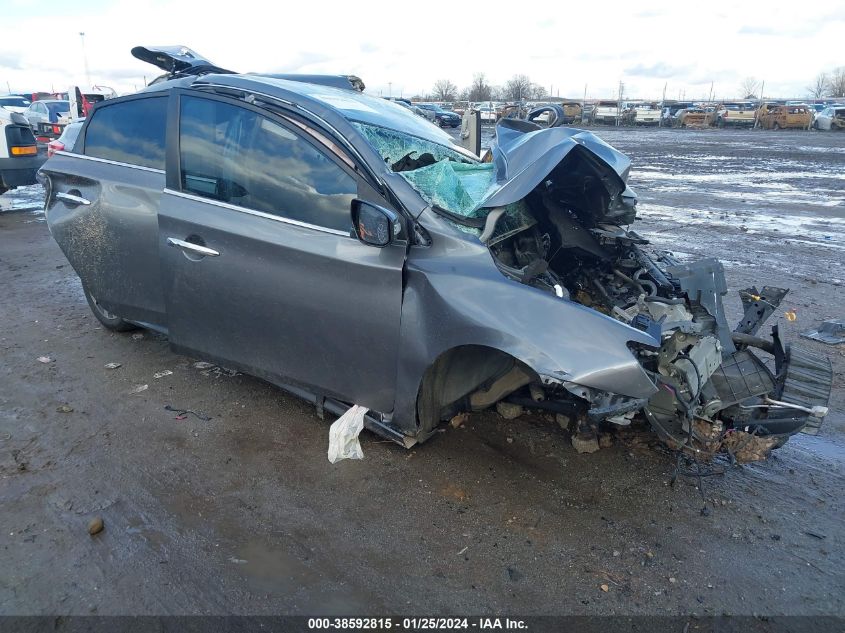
[129, 132]
[235, 155]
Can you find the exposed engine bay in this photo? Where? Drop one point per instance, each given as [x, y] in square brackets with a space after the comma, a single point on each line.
[713, 389]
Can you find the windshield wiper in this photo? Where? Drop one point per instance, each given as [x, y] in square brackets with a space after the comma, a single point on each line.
[473, 223]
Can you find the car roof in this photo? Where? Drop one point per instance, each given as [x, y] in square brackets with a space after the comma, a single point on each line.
[349, 104]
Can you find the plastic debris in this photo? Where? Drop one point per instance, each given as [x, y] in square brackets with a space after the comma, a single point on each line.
[182, 414]
[831, 332]
[791, 315]
[65, 408]
[203, 365]
[343, 435]
[137, 336]
[112, 365]
[162, 374]
[138, 389]
[45, 359]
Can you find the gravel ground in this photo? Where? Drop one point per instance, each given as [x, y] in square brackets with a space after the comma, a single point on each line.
[243, 513]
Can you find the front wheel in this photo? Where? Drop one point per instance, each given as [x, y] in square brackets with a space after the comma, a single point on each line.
[110, 321]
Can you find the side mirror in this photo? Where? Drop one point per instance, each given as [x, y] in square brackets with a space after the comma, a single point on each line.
[375, 225]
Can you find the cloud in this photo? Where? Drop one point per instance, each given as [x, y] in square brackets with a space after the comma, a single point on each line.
[11, 61]
[658, 70]
[305, 61]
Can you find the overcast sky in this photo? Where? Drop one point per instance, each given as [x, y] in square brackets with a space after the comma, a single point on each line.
[403, 47]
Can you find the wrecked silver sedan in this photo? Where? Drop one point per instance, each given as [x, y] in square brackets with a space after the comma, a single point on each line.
[346, 250]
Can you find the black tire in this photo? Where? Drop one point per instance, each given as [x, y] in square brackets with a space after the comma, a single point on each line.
[110, 321]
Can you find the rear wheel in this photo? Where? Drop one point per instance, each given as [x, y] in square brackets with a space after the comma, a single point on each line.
[110, 321]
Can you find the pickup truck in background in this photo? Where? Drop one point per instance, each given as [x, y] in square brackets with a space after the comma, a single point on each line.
[646, 114]
[736, 114]
[607, 113]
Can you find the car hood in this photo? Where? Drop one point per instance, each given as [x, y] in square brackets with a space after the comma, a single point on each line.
[525, 154]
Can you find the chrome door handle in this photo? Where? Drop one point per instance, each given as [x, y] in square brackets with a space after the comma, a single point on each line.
[69, 197]
[190, 246]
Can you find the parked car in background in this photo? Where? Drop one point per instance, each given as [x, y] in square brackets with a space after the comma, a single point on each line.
[695, 116]
[735, 114]
[406, 103]
[571, 112]
[19, 156]
[46, 111]
[443, 118]
[646, 114]
[831, 118]
[786, 117]
[488, 113]
[606, 113]
[671, 109]
[588, 111]
[14, 103]
[426, 113]
[66, 141]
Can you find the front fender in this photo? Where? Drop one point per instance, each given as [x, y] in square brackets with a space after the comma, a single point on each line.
[449, 303]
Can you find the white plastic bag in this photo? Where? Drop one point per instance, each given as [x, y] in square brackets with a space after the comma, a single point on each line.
[343, 435]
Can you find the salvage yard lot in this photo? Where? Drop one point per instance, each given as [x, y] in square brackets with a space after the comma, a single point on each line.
[242, 513]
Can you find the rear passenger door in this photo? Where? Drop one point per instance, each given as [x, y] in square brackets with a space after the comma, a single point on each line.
[261, 270]
[103, 205]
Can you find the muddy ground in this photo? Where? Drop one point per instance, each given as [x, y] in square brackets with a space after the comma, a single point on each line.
[243, 513]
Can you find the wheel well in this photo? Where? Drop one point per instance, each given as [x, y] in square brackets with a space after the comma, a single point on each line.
[448, 382]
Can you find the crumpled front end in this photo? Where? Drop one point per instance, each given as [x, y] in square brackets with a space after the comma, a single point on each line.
[554, 210]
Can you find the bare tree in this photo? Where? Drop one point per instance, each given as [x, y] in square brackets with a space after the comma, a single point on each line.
[445, 90]
[519, 87]
[819, 87]
[749, 87]
[836, 83]
[538, 91]
[480, 90]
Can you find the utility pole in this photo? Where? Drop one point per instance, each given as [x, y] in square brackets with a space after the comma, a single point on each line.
[389, 88]
[85, 59]
[583, 103]
[619, 101]
[662, 105]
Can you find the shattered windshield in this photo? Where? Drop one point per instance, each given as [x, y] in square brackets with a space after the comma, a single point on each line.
[447, 179]
[393, 145]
